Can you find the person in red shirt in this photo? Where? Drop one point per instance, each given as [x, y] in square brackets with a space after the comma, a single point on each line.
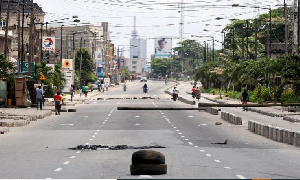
[194, 91]
[58, 99]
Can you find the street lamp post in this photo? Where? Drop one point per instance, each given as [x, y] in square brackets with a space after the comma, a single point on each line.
[61, 29]
[80, 64]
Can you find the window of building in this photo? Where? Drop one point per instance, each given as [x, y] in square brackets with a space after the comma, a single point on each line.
[133, 67]
[134, 62]
[3, 23]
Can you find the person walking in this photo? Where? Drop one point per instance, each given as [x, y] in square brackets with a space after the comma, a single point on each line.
[245, 99]
[71, 92]
[84, 90]
[106, 86]
[39, 98]
[58, 100]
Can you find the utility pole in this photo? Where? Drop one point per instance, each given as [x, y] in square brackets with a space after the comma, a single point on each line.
[213, 55]
[233, 43]
[286, 29]
[6, 29]
[247, 38]
[0, 14]
[298, 24]
[19, 35]
[22, 46]
[270, 32]
[255, 49]
[31, 51]
[80, 64]
[243, 47]
[61, 29]
[204, 53]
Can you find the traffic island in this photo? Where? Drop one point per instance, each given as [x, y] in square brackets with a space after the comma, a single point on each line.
[275, 133]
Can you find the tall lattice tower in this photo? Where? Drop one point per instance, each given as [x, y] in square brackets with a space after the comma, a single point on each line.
[181, 24]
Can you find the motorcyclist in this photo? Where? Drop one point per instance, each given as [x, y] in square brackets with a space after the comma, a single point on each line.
[197, 93]
[175, 94]
[145, 87]
[194, 91]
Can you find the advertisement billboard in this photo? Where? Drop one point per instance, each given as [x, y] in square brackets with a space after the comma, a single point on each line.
[48, 44]
[163, 47]
[98, 56]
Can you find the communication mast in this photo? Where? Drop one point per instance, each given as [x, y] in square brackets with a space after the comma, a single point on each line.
[181, 25]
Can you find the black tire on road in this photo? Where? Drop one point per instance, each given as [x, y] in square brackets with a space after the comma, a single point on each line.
[71, 110]
[147, 157]
[148, 169]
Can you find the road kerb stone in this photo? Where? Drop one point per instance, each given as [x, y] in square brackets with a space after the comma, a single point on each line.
[270, 132]
[291, 137]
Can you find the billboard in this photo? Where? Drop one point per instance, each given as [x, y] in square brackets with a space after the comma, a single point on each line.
[48, 44]
[98, 56]
[163, 47]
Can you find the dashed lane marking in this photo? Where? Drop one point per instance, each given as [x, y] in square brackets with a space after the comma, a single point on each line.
[93, 136]
[72, 157]
[218, 161]
[145, 176]
[78, 152]
[191, 116]
[208, 155]
[98, 130]
[87, 143]
[96, 133]
[67, 162]
[227, 168]
[191, 144]
[137, 116]
[91, 139]
[182, 136]
[179, 133]
[195, 146]
[186, 139]
[177, 130]
[58, 169]
[240, 176]
[202, 150]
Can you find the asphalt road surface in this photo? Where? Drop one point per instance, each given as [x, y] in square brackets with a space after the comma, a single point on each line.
[43, 149]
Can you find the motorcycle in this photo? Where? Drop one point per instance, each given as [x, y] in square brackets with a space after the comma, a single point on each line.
[175, 96]
[198, 96]
[145, 90]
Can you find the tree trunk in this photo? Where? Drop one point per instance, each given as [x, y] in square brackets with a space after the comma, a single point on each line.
[274, 89]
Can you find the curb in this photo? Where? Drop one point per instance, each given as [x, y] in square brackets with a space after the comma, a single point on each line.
[231, 118]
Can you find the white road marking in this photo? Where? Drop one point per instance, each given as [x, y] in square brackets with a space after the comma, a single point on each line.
[98, 130]
[175, 127]
[93, 136]
[186, 139]
[202, 125]
[109, 115]
[91, 139]
[191, 144]
[202, 150]
[48, 178]
[58, 169]
[179, 133]
[240, 176]
[85, 116]
[182, 136]
[218, 161]
[208, 155]
[96, 133]
[177, 130]
[137, 116]
[72, 157]
[164, 116]
[95, 102]
[191, 116]
[137, 124]
[105, 120]
[227, 167]
[195, 146]
[87, 143]
[67, 162]
[66, 124]
[78, 152]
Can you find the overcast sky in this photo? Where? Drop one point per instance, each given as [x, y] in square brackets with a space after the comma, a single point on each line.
[157, 18]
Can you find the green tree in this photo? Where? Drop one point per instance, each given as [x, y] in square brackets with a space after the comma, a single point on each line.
[7, 69]
[190, 53]
[87, 66]
[161, 67]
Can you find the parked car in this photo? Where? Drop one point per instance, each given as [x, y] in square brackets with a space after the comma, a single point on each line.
[143, 79]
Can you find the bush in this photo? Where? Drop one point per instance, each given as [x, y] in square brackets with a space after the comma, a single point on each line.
[289, 98]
